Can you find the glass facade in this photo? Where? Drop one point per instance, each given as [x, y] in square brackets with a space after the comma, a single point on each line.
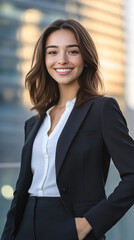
[21, 23]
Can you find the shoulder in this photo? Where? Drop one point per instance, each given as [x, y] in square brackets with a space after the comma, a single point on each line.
[101, 101]
[110, 110]
[107, 107]
[99, 104]
[29, 124]
[106, 103]
[30, 121]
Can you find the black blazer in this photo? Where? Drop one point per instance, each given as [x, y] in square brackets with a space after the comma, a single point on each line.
[95, 132]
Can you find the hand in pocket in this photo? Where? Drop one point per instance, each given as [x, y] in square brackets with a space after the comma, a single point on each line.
[83, 227]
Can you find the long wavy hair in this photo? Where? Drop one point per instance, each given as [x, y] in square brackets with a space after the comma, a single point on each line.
[43, 89]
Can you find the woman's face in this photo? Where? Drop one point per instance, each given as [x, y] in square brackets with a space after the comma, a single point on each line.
[63, 57]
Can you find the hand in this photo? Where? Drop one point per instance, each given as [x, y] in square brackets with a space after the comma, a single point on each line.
[83, 227]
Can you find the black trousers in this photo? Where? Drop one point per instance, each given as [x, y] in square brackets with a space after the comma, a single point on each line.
[45, 218]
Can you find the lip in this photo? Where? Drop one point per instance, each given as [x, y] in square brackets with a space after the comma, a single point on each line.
[63, 71]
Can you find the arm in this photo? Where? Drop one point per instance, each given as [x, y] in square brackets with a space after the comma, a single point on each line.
[121, 148]
[9, 226]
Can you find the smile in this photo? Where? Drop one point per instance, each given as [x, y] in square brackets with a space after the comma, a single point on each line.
[63, 70]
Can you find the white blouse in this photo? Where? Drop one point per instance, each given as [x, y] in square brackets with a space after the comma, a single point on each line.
[43, 155]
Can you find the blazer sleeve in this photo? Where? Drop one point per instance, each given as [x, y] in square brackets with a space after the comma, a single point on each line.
[9, 225]
[121, 149]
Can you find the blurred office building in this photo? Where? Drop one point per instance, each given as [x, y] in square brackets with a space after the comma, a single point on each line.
[21, 22]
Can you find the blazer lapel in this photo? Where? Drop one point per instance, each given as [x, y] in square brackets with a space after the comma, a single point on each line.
[33, 128]
[74, 122]
[27, 149]
[35, 125]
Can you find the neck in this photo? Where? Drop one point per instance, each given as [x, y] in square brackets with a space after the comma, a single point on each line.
[67, 93]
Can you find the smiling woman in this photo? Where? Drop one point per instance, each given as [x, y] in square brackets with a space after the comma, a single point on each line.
[68, 46]
[60, 192]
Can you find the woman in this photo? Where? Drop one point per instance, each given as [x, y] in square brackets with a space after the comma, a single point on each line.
[60, 191]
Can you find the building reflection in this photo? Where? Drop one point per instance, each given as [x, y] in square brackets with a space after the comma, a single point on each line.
[21, 23]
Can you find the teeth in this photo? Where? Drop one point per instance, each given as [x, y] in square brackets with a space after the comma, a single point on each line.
[63, 70]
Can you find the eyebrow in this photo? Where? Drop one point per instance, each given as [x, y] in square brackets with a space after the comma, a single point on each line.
[55, 46]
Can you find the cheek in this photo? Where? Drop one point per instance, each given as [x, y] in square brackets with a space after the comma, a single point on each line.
[49, 62]
[48, 66]
[80, 63]
[81, 67]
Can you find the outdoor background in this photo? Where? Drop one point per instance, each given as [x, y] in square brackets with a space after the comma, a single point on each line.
[110, 23]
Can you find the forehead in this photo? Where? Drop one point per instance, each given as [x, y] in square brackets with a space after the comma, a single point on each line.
[61, 37]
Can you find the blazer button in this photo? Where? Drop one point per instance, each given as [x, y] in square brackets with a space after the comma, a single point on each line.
[64, 189]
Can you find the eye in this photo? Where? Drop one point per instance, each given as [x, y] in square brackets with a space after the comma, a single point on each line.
[52, 52]
[73, 52]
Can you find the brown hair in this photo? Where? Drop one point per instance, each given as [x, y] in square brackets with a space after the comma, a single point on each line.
[43, 88]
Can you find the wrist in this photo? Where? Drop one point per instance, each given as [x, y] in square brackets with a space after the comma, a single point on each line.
[86, 225]
[83, 227]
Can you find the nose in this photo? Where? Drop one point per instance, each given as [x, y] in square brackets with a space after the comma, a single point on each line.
[63, 59]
